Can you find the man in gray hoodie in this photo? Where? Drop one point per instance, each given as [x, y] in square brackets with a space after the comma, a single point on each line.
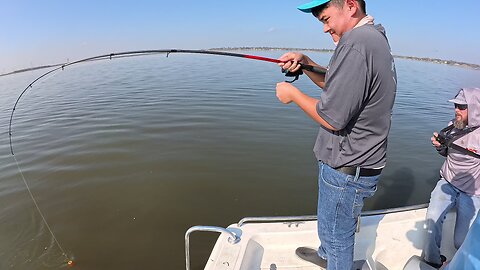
[459, 184]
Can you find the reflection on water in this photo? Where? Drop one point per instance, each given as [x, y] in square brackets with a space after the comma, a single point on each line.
[124, 156]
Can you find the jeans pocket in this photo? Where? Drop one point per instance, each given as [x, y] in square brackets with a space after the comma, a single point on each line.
[333, 178]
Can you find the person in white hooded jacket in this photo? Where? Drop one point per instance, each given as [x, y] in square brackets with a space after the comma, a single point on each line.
[459, 184]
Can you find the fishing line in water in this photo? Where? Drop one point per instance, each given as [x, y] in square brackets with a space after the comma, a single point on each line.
[69, 261]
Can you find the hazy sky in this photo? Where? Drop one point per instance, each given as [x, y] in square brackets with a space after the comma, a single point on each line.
[35, 32]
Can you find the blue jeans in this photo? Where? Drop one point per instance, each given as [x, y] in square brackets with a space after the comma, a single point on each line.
[340, 201]
[468, 257]
[444, 197]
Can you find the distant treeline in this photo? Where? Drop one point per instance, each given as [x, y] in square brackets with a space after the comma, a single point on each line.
[424, 59]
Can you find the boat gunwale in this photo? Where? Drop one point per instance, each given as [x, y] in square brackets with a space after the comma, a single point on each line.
[246, 220]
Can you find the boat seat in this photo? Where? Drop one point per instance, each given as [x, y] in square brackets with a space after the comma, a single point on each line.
[416, 263]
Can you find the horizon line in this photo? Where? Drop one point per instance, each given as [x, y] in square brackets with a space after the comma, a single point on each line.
[264, 48]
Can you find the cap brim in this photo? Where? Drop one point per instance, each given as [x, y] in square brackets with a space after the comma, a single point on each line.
[458, 101]
[308, 6]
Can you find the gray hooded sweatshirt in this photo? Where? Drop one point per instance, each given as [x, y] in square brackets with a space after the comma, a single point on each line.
[460, 169]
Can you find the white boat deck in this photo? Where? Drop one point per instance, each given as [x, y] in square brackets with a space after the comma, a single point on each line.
[384, 241]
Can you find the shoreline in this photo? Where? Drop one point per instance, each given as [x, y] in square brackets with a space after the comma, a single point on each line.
[415, 58]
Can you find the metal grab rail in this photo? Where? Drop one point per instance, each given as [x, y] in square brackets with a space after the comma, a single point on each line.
[233, 239]
[275, 219]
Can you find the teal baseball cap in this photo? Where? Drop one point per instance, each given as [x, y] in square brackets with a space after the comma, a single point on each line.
[308, 6]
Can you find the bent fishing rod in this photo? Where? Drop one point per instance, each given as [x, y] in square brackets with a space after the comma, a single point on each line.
[69, 261]
[315, 69]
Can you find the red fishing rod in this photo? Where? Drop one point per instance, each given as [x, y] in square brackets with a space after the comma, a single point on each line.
[311, 68]
[315, 69]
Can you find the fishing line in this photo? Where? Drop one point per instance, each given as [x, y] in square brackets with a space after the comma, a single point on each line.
[69, 261]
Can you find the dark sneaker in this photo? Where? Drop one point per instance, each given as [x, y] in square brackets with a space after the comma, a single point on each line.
[311, 255]
[443, 259]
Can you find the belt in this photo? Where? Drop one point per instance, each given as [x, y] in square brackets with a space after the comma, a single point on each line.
[363, 171]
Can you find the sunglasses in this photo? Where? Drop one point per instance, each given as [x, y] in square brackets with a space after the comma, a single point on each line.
[461, 106]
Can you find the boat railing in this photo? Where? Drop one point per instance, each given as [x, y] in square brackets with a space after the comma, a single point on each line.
[246, 220]
[232, 239]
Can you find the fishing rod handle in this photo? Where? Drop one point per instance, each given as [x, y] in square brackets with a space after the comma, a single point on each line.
[315, 69]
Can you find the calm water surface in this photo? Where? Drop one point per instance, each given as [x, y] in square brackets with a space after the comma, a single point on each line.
[124, 156]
